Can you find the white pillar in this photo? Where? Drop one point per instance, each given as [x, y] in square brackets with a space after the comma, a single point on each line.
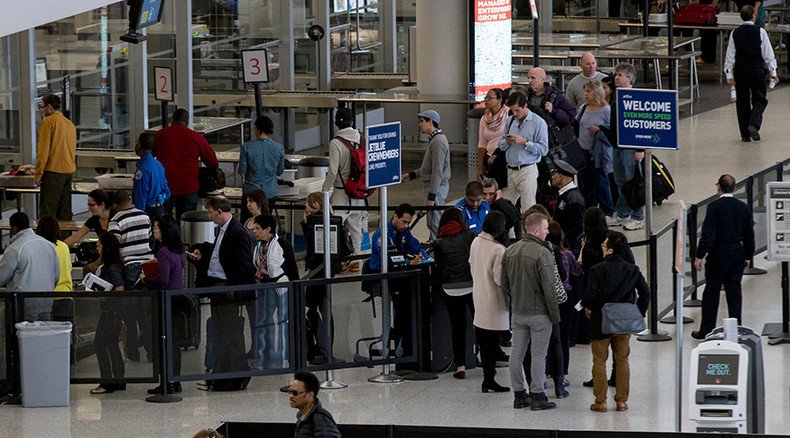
[182, 14]
[443, 59]
[138, 90]
[26, 45]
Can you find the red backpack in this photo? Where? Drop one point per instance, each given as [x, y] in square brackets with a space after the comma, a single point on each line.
[356, 185]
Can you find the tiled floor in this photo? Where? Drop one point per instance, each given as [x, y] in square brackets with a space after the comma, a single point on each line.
[710, 146]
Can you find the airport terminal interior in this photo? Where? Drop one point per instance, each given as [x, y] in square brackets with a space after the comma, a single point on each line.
[388, 60]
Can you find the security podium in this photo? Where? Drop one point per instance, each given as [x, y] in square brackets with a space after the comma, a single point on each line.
[727, 390]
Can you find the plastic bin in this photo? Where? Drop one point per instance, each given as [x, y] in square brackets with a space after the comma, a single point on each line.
[44, 363]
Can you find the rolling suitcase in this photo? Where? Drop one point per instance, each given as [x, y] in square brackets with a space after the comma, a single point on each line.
[186, 321]
[225, 350]
[663, 184]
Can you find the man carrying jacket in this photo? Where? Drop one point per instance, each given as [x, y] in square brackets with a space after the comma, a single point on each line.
[528, 279]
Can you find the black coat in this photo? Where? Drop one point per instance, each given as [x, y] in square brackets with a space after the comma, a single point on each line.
[512, 215]
[570, 216]
[613, 281]
[452, 259]
[319, 423]
[235, 256]
[727, 231]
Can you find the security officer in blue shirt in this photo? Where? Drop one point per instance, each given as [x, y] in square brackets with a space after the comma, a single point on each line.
[398, 237]
[149, 190]
[473, 207]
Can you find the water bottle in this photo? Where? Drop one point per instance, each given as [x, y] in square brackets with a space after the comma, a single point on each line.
[733, 95]
[771, 83]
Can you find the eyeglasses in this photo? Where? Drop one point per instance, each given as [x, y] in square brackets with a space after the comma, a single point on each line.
[490, 98]
[92, 204]
[295, 392]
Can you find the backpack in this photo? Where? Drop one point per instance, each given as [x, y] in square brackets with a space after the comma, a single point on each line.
[356, 184]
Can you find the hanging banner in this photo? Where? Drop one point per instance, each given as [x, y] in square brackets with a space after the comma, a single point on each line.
[491, 46]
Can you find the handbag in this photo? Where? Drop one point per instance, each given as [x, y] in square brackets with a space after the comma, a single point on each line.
[210, 179]
[562, 296]
[621, 318]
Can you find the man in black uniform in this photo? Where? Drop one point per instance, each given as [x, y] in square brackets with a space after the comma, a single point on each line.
[728, 241]
[570, 205]
[749, 54]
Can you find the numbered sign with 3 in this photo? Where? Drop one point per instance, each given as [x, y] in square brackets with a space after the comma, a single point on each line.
[256, 65]
[163, 81]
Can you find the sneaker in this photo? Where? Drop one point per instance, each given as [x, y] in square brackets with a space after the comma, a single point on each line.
[352, 266]
[633, 224]
[614, 220]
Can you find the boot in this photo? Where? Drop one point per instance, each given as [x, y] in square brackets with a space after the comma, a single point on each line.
[559, 388]
[493, 386]
[540, 402]
[520, 399]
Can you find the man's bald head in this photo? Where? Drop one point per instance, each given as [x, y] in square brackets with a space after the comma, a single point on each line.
[588, 64]
[726, 183]
[536, 76]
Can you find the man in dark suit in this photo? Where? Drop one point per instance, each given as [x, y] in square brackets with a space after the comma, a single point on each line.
[728, 241]
[570, 205]
[229, 264]
[230, 261]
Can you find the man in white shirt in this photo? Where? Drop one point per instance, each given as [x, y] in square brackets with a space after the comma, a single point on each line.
[575, 90]
[749, 55]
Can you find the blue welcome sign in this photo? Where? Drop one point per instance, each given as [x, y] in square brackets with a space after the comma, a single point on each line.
[383, 154]
[647, 119]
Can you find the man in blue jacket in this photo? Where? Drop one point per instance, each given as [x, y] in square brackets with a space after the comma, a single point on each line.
[473, 207]
[150, 189]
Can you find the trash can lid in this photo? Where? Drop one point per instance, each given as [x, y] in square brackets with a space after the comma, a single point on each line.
[195, 216]
[475, 113]
[42, 328]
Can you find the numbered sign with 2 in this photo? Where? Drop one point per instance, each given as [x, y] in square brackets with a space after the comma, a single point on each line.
[163, 83]
[255, 64]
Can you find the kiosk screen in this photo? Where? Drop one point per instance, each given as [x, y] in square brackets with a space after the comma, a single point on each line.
[718, 369]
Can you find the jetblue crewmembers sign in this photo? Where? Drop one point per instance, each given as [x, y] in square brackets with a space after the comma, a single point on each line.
[383, 157]
[647, 119]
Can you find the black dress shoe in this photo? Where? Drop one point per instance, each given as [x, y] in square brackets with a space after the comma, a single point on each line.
[754, 133]
[696, 334]
[588, 383]
[746, 139]
[172, 388]
[493, 387]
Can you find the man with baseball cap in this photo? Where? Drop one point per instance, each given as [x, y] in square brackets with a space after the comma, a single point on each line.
[346, 139]
[570, 205]
[435, 169]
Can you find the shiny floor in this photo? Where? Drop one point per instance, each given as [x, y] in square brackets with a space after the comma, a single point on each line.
[710, 146]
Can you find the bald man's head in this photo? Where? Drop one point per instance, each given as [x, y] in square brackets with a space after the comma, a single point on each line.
[537, 76]
[726, 183]
[588, 64]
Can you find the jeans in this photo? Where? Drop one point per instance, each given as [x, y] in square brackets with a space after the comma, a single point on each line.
[534, 332]
[594, 185]
[600, 352]
[434, 215]
[624, 170]
[272, 320]
[354, 221]
[182, 203]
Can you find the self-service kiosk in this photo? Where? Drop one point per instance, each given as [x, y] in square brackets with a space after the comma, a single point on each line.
[727, 390]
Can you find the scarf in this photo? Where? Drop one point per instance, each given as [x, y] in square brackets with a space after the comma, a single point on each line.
[450, 229]
[262, 273]
[494, 121]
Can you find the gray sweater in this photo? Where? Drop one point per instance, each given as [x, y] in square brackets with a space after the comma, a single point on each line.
[575, 90]
[30, 264]
[435, 168]
[340, 159]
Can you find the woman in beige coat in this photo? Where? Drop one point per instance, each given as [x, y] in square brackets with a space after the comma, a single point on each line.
[492, 314]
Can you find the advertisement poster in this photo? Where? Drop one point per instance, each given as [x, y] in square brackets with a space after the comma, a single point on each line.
[492, 44]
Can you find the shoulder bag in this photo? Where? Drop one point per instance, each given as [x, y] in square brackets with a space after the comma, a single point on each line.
[622, 318]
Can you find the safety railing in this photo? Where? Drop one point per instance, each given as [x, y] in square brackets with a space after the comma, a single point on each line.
[250, 330]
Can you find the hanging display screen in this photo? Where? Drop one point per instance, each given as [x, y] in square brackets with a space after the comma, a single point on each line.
[491, 46]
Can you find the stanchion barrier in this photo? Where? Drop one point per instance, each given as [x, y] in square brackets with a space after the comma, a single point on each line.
[330, 382]
[693, 227]
[653, 334]
[672, 319]
[164, 342]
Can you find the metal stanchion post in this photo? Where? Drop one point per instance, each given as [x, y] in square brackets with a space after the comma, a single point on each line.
[653, 334]
[330, 382]
[680, 274]
[385, 376]
[672, 319]
[163, 397]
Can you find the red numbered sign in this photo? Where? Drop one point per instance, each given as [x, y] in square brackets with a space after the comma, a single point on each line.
[163, 84]
[256, 65]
